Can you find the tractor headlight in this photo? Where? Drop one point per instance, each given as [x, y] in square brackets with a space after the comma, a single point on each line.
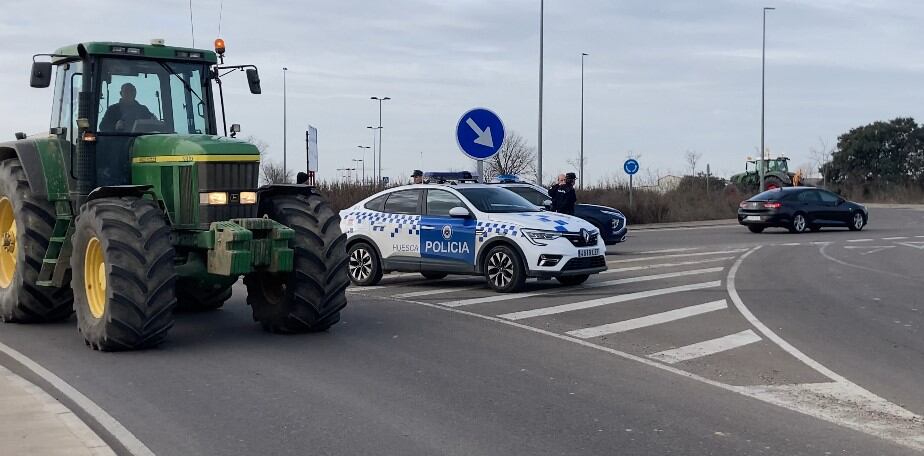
[537, 237]
[213, 198]
[248, 198]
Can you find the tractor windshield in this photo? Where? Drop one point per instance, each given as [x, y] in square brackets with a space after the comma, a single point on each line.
[145, 96]
[780, 166]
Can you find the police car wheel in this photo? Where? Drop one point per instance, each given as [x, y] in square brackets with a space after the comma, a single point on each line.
[434, 275]
[504, 270]
[573, 280]
[365, 268]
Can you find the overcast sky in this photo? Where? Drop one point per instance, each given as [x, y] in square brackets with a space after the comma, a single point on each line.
[662, 77]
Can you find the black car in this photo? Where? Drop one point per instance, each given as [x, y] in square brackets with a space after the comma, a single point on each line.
[800, 209]
[611, 222]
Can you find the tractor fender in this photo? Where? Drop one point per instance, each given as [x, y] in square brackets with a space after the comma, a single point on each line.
[137, 191]
[27, 153]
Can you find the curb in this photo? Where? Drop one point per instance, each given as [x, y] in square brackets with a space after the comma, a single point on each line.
[672, 225]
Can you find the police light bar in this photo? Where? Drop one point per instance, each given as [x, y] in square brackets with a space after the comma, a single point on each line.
[449, 176]
[507, 179]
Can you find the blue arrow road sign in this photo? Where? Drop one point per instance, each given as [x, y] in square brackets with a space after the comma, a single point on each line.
[630, 166]
[480, 133]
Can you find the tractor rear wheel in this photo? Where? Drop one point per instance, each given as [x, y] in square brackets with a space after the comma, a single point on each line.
[123, 274]
[772, 182]
[26, 226]
[309, 298]
[199, 296]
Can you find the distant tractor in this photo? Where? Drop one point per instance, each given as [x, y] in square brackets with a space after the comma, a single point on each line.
[132, 205]
[776, 175]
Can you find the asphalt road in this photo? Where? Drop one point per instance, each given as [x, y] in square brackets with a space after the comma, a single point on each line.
[694, 342]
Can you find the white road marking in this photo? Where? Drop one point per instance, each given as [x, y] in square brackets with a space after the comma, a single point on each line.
[872, 248]
[859, 240]
[638, 231]
[608, 283]
[435, 291]
[821, 242]
[608, 300]
[360, 289]
[666, 265]
[649, 320]
[679, 255]
[706, 348]
[105, 420]
[919, 236]
[681, 249]
[913, 244]
[896, 238]
[901, 429]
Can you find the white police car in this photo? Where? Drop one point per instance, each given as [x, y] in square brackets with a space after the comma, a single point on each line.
[467, 229]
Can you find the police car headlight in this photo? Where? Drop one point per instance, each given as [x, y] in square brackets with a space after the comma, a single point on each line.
[537, 237]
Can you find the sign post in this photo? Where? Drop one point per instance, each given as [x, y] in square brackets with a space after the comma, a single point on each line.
[630, 167]
[311, 157]
[480, 134]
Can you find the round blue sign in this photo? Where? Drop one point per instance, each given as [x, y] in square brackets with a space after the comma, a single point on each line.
[630, 166]
[480, 133]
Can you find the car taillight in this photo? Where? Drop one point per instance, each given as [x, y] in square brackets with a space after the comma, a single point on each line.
[773, 205]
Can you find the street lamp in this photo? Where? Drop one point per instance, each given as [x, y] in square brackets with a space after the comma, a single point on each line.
[374, 161]
[364, 163]
[359, 160]
[380, 100]
[581, 181]
[285, 171]
[763, 74]
[539, 148]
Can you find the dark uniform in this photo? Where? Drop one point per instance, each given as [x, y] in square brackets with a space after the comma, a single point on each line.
[127, 112]
[563, 196]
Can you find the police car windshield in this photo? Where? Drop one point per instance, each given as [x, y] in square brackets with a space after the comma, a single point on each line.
[497, 200]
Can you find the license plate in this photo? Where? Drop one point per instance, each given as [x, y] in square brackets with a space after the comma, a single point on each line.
[752, 218]
[588, 252]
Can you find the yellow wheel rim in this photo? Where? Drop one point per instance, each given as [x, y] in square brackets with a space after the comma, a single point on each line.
[7, 243]
[94, 270]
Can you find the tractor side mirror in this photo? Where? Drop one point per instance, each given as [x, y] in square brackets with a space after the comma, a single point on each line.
[41, 75]
[253, 80]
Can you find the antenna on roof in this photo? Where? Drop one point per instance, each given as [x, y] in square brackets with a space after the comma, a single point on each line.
[221, 7]
[192, 29]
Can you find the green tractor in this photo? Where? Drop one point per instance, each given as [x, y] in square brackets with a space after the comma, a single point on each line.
[776, 175]
[132, 205]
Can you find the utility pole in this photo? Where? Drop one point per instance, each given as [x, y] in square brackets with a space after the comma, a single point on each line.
[380, 100]
[285, 136]
[581, 181]
[539, 148]
[763, 75]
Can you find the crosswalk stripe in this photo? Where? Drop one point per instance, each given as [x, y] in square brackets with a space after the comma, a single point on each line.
[650, 320]
[416, 294]
[706, 348]
[666, 265]
[894, 238]
[608, 300]
[608, 283]
[678, 255]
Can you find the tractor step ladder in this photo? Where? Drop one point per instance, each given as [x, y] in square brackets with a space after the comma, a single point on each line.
[58, 255]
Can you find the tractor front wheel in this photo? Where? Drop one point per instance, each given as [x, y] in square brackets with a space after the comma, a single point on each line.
[309, 298]
[123, 274]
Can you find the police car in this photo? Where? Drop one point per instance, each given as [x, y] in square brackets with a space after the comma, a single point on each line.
[610, 222]
[467, 228]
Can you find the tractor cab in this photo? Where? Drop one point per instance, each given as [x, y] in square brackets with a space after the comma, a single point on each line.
[774, 165]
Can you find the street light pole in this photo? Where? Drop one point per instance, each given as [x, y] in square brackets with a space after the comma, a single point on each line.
[380, 100]
[357, 160]
[364, 163]
[379, 178]
[763, 74]
[581, 181]
[285, 170]
[539, 148]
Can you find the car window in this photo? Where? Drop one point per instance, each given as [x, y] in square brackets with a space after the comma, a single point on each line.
[828, 197]
[532, 195]
[403, 202]
[810, 196]
[376, 204]
[497, 200]
[439, 202]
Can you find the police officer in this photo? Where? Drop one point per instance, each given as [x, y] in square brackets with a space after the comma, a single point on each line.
[562, 194]
[301, 178]
[417, 175]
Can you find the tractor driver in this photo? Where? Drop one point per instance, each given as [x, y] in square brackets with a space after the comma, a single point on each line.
[122, 115]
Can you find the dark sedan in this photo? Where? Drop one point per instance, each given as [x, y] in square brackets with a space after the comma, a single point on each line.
[611, 222]
[800, 209]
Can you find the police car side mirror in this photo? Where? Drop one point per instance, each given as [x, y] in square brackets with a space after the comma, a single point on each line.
[459, 212]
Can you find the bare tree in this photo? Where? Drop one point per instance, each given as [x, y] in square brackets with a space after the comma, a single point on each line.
[820, 156]
[261, 145]
[514, 157]
[272, 173]
[692, 158]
